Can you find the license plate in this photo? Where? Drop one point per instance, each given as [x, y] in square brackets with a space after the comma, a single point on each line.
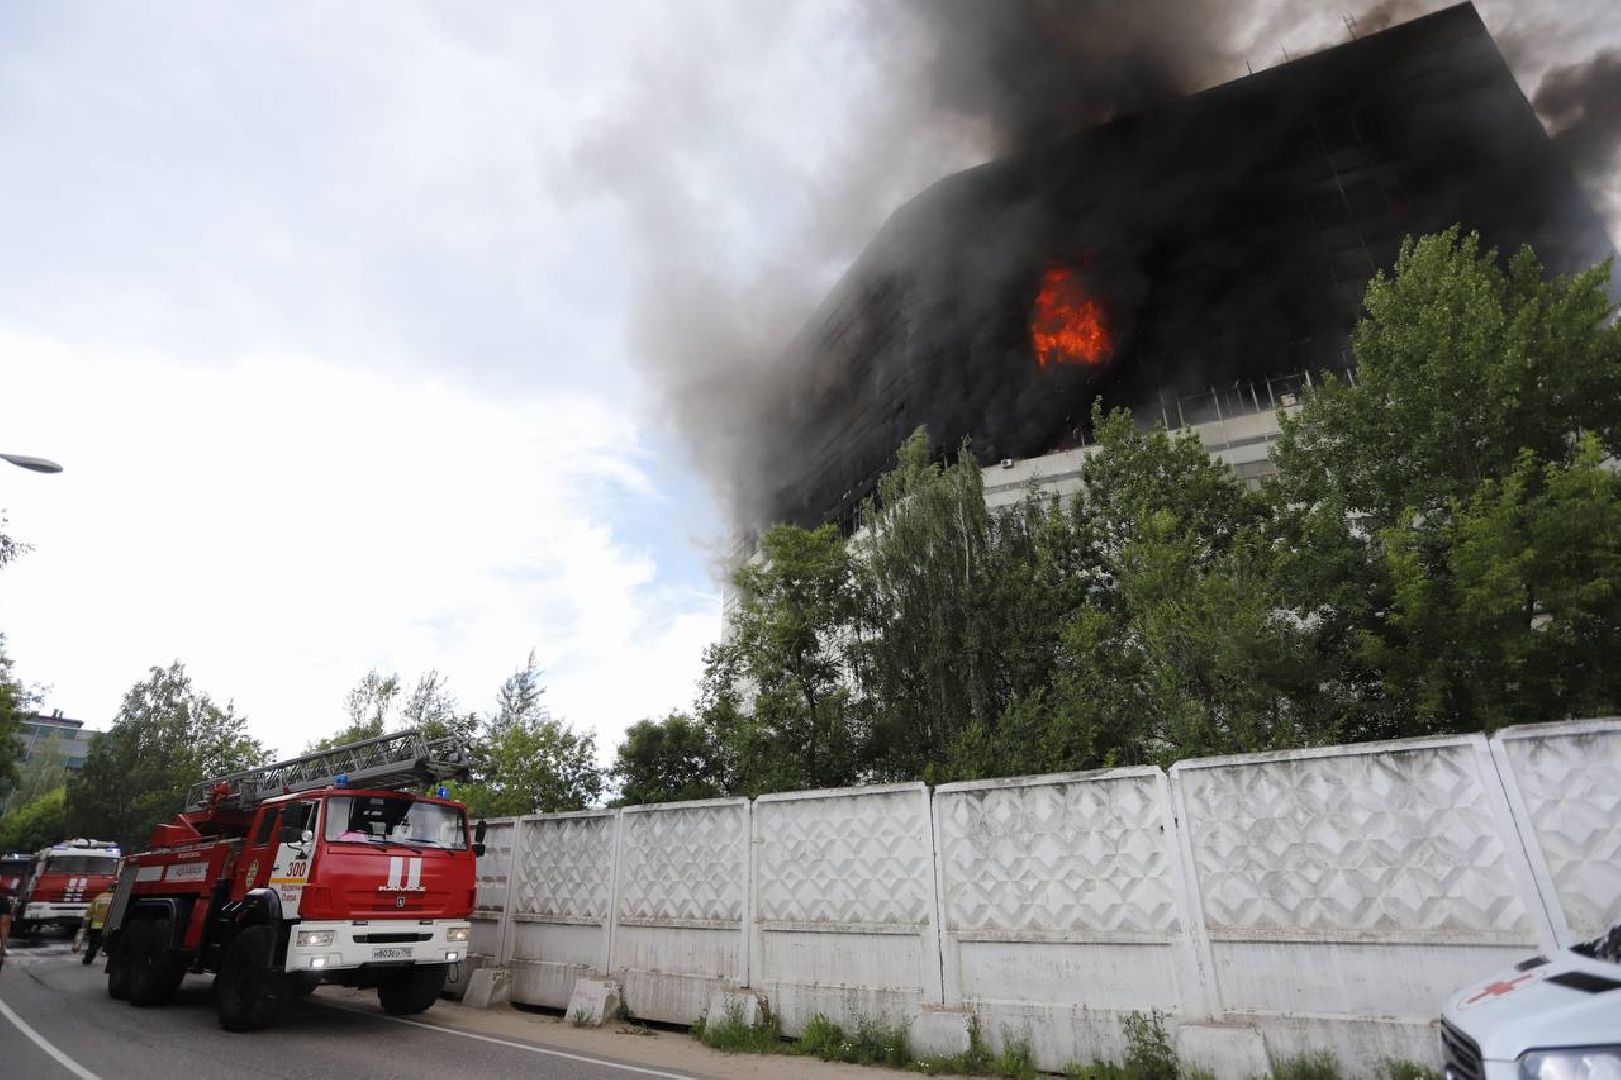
[391, 954]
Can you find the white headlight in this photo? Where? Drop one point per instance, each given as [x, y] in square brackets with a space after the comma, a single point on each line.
[1577, 1063]
[458, 933]
[315, 939]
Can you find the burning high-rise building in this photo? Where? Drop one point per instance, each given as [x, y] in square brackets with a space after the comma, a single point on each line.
[1224, 238]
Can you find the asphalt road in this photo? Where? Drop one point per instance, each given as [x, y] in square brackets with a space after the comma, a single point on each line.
[57, 1023]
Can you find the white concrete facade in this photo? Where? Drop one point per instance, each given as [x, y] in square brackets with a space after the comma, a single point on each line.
[1242, 442]
[1268, 904]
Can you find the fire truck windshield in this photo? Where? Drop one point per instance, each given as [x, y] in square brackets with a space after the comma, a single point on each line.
[81, 864]
[394, 819]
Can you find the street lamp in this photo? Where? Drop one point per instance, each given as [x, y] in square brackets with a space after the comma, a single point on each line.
[32, 464]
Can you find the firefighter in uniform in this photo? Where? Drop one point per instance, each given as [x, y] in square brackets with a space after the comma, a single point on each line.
[95, 919]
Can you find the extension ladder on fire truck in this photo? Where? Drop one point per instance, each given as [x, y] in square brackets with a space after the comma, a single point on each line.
[403, 759]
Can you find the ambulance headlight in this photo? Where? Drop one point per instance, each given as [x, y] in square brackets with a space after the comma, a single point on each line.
[458, 933]
[315, 939]
[1576, 1063]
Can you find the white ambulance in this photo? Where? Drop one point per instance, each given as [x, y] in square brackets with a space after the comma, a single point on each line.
[1548, 1018]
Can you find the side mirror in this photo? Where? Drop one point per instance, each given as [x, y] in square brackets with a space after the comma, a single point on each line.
[478, 849]
[480, 830]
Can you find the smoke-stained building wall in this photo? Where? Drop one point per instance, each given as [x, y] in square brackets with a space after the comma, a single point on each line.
[1221, 239]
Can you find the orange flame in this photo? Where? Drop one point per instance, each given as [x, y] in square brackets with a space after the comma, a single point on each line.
[1066, 326]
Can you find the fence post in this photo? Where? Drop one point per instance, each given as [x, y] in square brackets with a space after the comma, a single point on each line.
[1198, 961]
[504, 942]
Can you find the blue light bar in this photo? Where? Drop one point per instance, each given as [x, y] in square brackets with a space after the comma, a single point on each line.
[443, 792]
[342, 780]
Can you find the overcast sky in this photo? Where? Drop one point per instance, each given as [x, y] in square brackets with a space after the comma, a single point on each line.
[331, 313]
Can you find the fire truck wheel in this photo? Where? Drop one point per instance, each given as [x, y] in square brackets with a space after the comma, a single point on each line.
[412, 990]
[155, 970]
[247, 993]
[118, 967]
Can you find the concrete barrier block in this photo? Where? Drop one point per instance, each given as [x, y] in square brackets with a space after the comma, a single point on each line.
[488, 987]
[748, 1007]
[593, 1003]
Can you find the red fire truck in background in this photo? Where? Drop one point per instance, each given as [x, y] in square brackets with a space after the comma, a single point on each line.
[14, 871]
[325, 868]
[60, 883]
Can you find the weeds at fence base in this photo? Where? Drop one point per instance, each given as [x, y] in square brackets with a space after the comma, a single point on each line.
[1150, 1054]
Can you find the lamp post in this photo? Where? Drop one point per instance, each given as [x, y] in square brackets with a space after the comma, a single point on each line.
[32, 464]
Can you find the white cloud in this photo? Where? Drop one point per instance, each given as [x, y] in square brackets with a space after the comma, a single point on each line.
[283, 524]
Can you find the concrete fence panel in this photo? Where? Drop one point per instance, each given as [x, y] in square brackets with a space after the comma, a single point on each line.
[844, 902]
[562, 900]
[1346, 892]
[1063, 908]
[491, 926]
[1564, 784]
[680, 919]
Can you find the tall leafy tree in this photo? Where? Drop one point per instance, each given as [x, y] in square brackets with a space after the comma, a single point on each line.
[1513, 615]
[930, 651]
[15, 702]
[370, 706]
[534, 765]
[670, 760]
[167, 736]
[519, 699]
[1474, 378]
[34, 823]
[785, 663]
[431, 708]
[524, 760]
[1462, 363]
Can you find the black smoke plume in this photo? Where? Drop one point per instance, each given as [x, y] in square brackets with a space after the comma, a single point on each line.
[1582, 106]
[730, 272]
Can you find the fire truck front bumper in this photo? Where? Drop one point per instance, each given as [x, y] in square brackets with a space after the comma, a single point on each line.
[333, 946]
[42, 913]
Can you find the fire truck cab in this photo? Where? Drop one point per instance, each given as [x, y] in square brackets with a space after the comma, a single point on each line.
[326, 868]
[62, 880]
[14, 872]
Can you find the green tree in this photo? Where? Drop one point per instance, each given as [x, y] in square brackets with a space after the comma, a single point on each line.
[31, 824]
[167, 736]
[787, 681]
[1462, 363]
[45, 770]
[432, 709]
[1510, 612]
[519, 699]
[524, 760]
[674, 759]
[929, 646]
[11, 548]
[535, 767]
[369, 707]
[1473, 379]
[15, 702]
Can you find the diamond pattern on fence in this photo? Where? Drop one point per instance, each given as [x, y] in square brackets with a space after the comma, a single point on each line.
[492, 867]
[1362, 845]
[1088, 857]
[861, 859]
[1572, 788]
[688, 863]
[565, 867]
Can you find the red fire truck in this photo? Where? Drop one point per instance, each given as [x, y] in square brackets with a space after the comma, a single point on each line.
[64, 879]
[14, 871]
[325, 868]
